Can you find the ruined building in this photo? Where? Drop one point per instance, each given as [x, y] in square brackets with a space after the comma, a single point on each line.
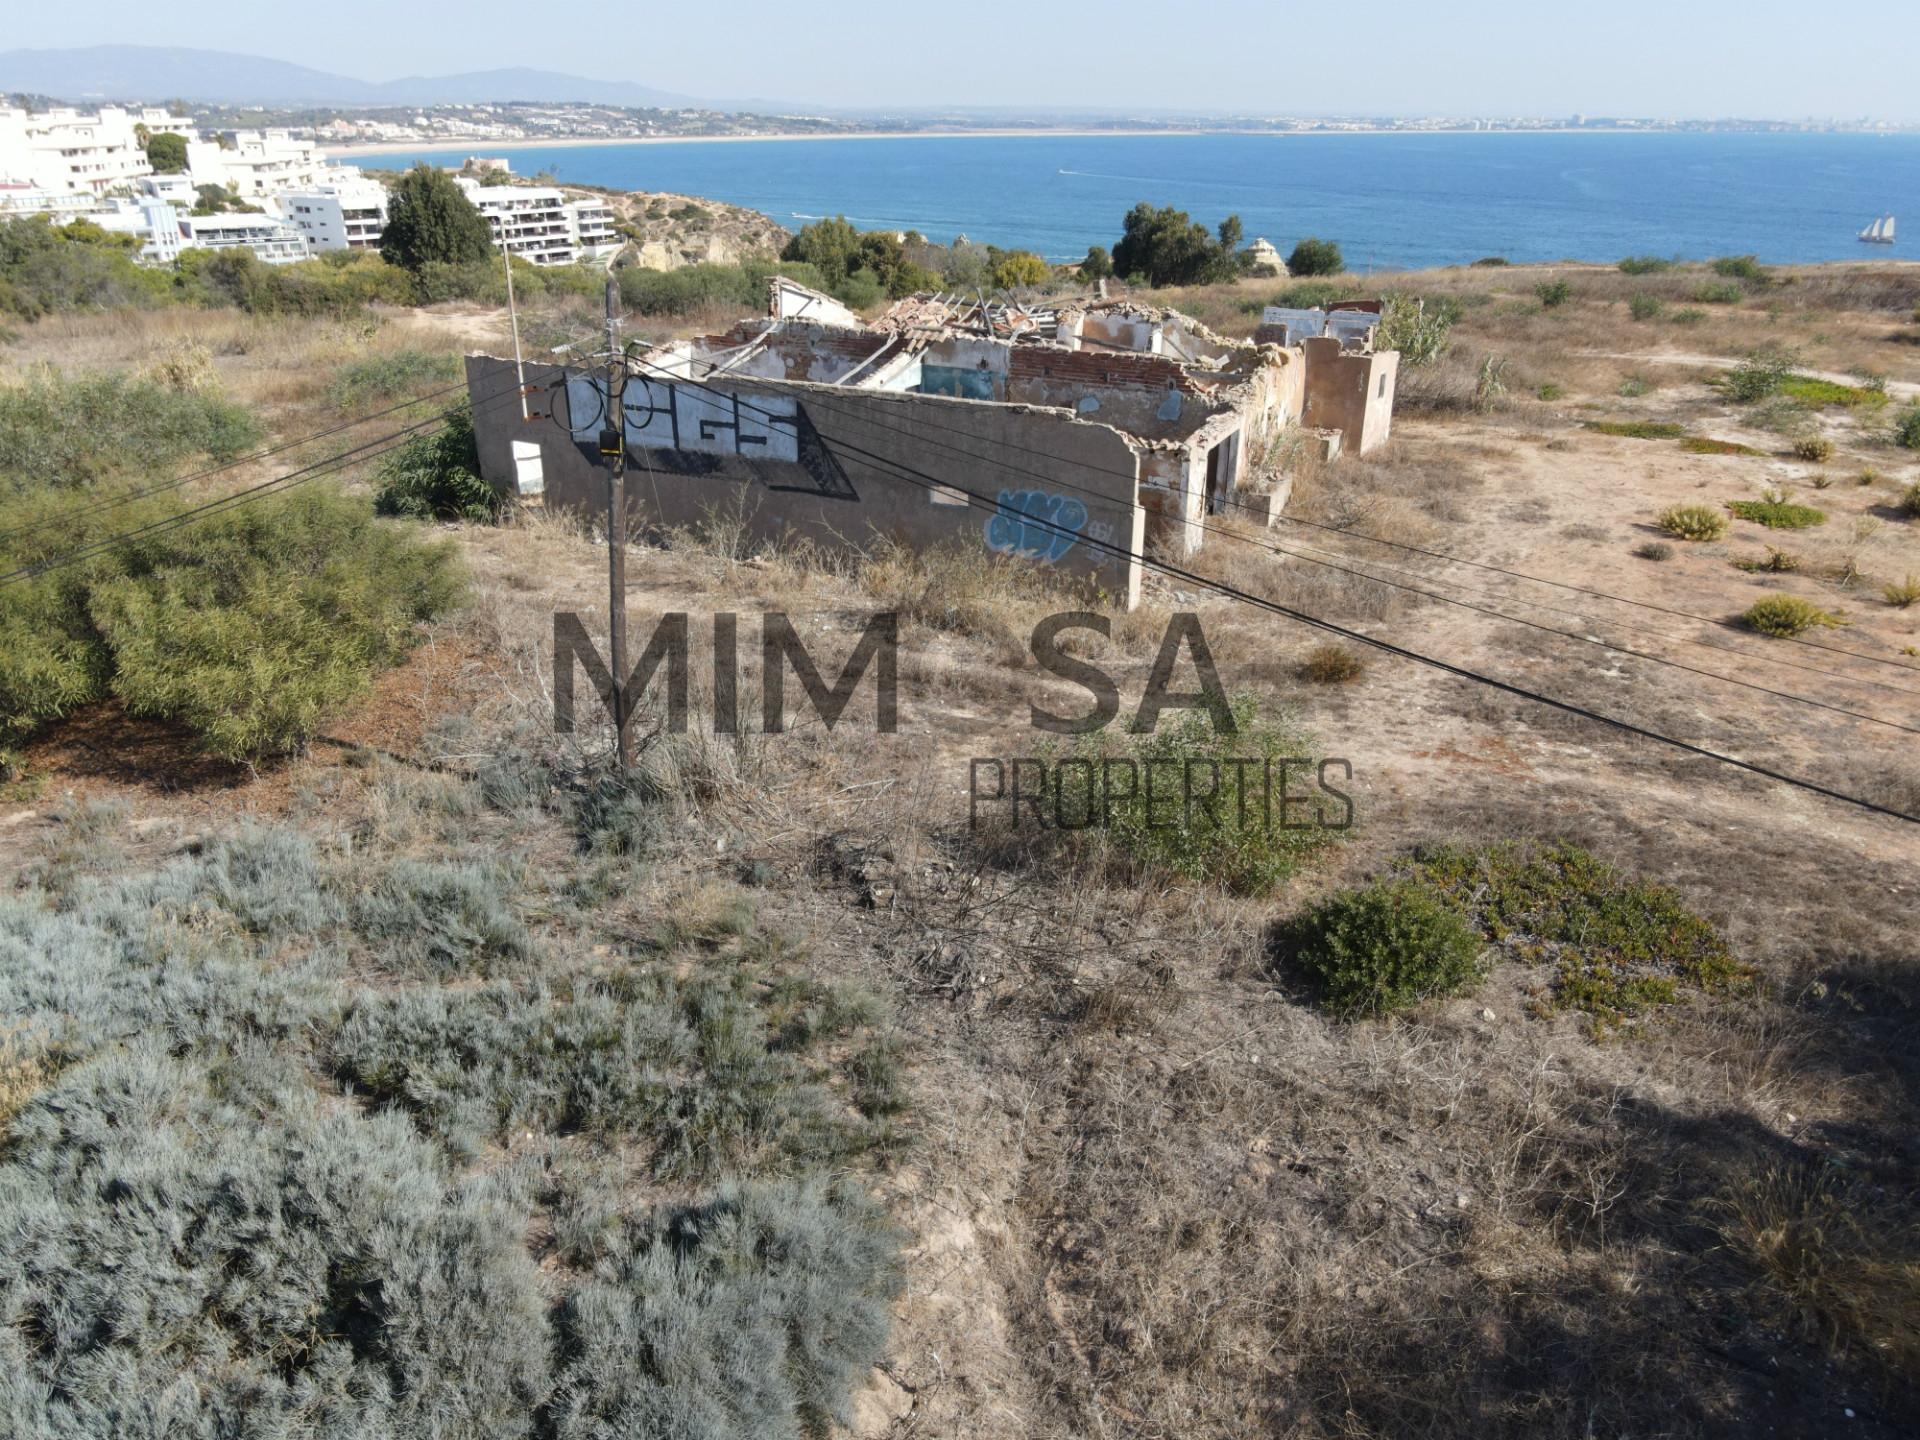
[1075, 435]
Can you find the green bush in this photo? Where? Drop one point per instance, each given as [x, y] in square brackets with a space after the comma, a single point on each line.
[1784, 616]
[1553, 293]
[1906, 428]
[1778, 514]
[1309, 295]
[1902, 594]
[362, 383]
[1721, 293]
[1816, 449]
[72, 430]
[1760, 375]
[1644, 265]
[1417, 331]
[1910, 501]
[49, 269]
[435, 475]
[1692, 522]
[1645, 307]
[1315, 257]
[1377, 950]
[1742, 267]
[251, 627]
[254, 626]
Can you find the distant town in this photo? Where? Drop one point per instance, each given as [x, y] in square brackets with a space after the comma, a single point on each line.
[521, 122]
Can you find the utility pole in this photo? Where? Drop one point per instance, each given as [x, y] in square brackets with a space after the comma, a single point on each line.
[513, 314]
[613, 448]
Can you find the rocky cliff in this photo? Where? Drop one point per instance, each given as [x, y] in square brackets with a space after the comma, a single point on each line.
[665, 231]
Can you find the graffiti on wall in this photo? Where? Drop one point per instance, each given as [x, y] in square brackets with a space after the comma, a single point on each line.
[1035, 524]
[696, 429]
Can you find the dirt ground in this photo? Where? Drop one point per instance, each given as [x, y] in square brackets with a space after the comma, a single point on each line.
[1151, 1192]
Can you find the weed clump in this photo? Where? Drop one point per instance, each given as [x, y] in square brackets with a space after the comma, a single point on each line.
[1380, 949]
[1332, 665]
[1653, 550]
[1910, 501]
[1778, 514]
[1784, 616]
[1906, 428]
[1638, 429]
[1553, 293]
[1616, 945]
[1816, 449]
[1692, 522]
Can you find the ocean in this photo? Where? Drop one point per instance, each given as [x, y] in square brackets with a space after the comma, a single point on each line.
[1391, 200]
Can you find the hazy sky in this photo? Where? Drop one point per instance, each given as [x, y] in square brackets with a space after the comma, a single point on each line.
[1767, 58]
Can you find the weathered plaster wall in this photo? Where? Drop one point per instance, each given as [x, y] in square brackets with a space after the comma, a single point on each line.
[1052, 489]
[1351, 392]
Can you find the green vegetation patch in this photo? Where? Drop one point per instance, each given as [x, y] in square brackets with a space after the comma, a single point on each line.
[1829, 394]
[1778, 514]
[1615, 946]
[1255, 810]
[361, 384]
[66, 431]
[1380, 949]
[1705, 445]
[1638, 429]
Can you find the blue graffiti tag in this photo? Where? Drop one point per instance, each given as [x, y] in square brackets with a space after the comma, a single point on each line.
[1035, 524]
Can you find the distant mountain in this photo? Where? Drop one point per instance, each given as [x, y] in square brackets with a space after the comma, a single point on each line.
[154, 73]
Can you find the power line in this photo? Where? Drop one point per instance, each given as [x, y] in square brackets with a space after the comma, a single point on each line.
[914, 476]
[1464, 604]
[1451, 559]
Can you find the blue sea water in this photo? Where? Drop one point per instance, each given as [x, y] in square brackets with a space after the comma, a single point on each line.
[1392, 200]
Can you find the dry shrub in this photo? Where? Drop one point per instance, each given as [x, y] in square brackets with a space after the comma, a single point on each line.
[962, 590]
[1848, 1275]
[1332, 665]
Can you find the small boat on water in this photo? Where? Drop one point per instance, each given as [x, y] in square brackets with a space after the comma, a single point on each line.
[1880, 232]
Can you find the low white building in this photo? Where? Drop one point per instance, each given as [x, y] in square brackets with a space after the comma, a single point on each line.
[259, 163]
[82, 152]
[344, 211]
[268, 236]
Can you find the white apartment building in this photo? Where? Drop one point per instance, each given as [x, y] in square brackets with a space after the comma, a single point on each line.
[345, 211]
[268, 236]
[540, 225]
[259, 163]
[593, 234]
[79, 152]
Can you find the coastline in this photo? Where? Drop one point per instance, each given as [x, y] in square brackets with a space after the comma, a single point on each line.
[578, 142]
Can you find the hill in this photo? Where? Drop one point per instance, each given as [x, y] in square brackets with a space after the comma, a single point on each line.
[168, 72]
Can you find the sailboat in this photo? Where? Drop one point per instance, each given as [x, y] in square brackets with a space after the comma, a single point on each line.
[1880, 232]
